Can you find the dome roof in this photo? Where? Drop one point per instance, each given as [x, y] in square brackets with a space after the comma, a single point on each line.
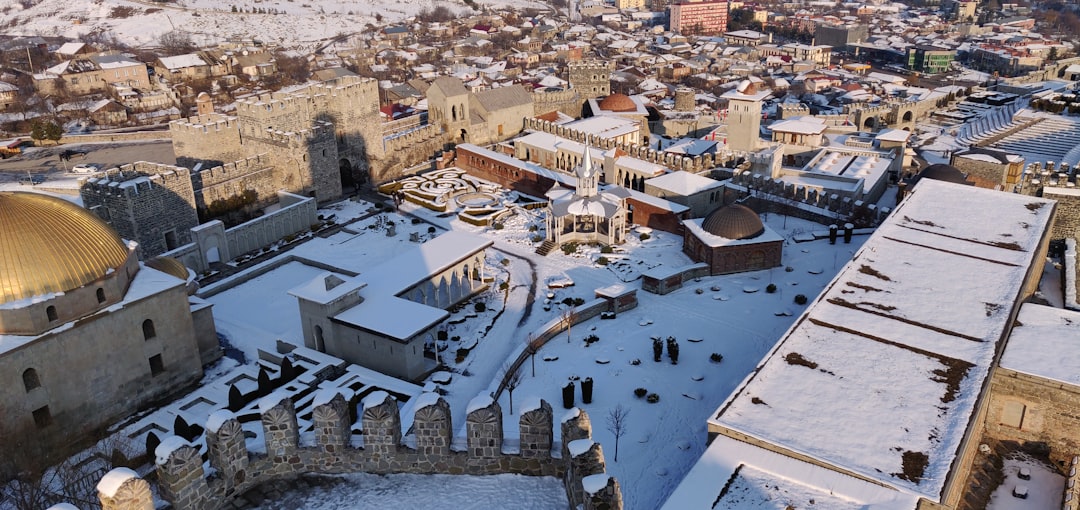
[943, 172]
[170, 266]
[618, 103]
[733, 222]
[48, 245]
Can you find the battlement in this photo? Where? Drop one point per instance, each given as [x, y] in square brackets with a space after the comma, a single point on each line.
[240, 168]
[135, 178]
[330, 446]
[404, 140]
[555, 96]
[300, 138]
[591, 65]
[204, 124]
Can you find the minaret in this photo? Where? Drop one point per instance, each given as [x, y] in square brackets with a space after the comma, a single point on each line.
[586, 174]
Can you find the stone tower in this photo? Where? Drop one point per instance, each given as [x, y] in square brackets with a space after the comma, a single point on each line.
[591, 78]
[204, 104]
[684, 99]
[744, 116]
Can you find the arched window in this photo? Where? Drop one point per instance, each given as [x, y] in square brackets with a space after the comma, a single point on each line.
[30, 379]
[148, 330]
[50, 312]
[320, 343]
[101, 295]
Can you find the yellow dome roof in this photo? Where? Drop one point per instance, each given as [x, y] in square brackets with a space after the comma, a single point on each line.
[48, 245]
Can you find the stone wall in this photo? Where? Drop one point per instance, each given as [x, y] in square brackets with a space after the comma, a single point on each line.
[184, 484]
[150, 203]
[297, 214]
[214, 138]
[115, 137]
[568, 102]
[774, 195]
[1025, 408]
[1044, 181]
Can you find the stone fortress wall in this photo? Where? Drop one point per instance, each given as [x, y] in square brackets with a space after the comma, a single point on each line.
[1043, 180]
[143, 202]
[378, 448]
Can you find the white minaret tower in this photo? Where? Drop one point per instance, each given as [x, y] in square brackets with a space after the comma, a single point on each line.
[586, 174]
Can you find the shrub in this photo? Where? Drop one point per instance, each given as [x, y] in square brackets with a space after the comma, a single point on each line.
[505, 262]
[480, 307]
[532, 228]
[497, 226]
[640, 392]
[602, 261]
[644, 237]
[536, 238]
[636, 362]
[716, 357]
[431, 230]
[607, 249]
[788, 269]
[442, 335]
[591, 339]
[652, 398]
[579, 301]
[568, 301]
[771, 288]
[504, 285]
[569, 248]
[800, 299]
[416, 221]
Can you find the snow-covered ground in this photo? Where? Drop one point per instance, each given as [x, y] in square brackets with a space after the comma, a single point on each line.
[733, 316]
[304, 25]
[400, 492]
[1045, 487]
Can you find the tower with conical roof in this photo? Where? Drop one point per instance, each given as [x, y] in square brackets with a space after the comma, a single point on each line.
[588, 182]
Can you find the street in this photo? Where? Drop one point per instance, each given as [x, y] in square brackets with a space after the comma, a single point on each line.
[46, 160]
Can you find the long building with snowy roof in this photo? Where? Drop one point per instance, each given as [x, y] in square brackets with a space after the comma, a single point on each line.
[873, 397]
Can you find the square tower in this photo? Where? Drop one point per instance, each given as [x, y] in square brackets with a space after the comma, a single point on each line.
[744, 116]
[592, 78]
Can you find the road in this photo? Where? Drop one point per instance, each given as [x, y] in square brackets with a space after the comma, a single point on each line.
[46, 160]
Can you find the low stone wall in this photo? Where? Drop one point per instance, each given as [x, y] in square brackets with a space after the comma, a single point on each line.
[116, 137]
[184, 484]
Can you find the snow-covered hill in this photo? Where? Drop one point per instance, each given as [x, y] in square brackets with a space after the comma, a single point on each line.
[300, 24]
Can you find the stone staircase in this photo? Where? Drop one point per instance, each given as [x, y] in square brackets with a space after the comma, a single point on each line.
[546, 248]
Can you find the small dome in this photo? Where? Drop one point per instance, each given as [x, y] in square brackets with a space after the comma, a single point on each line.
[50, 245]
[733, 222]
[618, 103]
[943, 172]
[170, 266]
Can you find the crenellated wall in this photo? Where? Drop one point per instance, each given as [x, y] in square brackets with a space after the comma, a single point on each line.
[378, 449]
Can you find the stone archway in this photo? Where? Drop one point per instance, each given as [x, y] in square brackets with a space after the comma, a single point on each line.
[908, 116]
[870, 123]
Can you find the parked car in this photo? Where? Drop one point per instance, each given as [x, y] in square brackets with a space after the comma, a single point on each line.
[85, 168]
[32, 179]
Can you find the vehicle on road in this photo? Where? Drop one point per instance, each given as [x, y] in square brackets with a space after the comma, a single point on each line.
[32, 179]
[85, 168]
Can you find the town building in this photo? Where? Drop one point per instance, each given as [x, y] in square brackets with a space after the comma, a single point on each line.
[732, 239]
[929, 59]
[707, 17]
[384, 318]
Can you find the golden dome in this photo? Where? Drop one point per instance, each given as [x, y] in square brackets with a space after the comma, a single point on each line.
[170, 266]
[733, 222]
[48, 245]
[618, 103]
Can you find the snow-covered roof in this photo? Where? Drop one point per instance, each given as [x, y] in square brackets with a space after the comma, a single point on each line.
[893, 135]
[801, 125]
[764, 479]
[327, 288]
[182, 61]
[393, 317]
[683, 183]
[878, 357]
[414, 266]
[1044, 344]
[605, 126]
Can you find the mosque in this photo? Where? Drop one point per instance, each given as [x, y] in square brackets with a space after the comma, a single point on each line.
[88, 334]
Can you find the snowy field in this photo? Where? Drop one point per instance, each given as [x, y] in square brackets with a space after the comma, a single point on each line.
[402, 492]
[303, 26]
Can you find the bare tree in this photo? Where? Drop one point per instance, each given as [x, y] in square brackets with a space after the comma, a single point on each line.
[534, 345]
[569, 317]
[618, 423]
[511, 380]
